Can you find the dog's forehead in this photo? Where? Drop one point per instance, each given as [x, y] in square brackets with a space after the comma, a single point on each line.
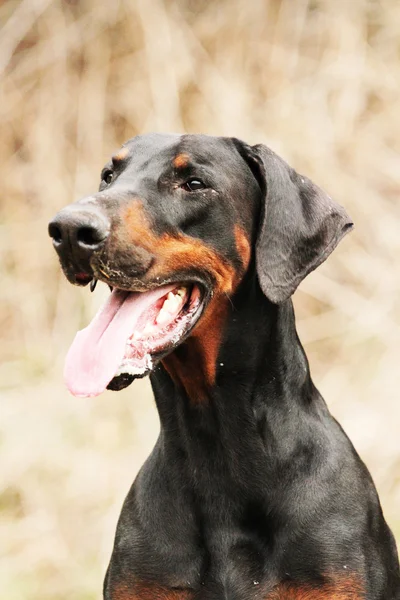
[177, 149]
[151, 144]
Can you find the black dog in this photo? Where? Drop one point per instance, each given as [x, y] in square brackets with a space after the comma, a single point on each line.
[253, 491]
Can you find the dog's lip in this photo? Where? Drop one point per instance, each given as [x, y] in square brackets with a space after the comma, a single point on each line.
[124, 379]
[83, 278]
[139, 285]
[129, 333]
[203, 301]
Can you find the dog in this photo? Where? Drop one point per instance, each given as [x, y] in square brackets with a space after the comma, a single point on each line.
[253, 491]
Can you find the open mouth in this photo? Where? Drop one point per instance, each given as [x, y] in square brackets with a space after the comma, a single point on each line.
[130, 332]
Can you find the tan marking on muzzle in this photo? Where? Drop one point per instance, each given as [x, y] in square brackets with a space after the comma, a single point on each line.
[179, 253]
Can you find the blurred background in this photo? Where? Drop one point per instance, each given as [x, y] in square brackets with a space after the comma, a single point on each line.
[316, 80]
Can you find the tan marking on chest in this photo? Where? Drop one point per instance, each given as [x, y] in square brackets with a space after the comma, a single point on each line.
[142, 591]
[341, 588]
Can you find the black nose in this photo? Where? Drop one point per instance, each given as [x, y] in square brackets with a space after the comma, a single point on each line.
[75, 229]
[78, 232]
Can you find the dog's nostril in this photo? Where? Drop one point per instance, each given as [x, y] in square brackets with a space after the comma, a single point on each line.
[90, 236]
[86, 230]
[55, 233]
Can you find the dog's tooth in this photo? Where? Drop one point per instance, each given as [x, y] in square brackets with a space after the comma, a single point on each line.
[163, 317]
[174, 304]
[167, 304]
[136, 335]
[179, 300]
[148, 329]
[170, 304]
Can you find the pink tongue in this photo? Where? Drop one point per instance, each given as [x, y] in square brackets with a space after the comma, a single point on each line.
[98, 350]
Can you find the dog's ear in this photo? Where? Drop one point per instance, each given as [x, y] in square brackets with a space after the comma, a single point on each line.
[300, 225]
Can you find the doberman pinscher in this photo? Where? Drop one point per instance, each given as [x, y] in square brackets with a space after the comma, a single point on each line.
[253, 491]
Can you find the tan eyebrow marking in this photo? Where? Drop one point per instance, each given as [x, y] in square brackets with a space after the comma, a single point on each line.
[121, 155]
[180, 161]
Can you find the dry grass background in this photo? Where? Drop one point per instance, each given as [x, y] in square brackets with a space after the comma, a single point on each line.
[315, 79]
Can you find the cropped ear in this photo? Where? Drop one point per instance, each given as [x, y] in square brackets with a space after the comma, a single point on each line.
[300, 224]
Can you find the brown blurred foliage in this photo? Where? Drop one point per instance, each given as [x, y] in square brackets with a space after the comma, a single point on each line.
[316, 80]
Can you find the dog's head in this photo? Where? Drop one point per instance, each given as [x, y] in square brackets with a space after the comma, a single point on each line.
[173, 229]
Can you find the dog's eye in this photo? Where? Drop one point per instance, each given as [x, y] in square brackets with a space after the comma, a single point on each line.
[192, 185]
[107, 176]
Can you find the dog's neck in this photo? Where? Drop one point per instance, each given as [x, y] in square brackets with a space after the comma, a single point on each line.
[262, 397]
[257, 344]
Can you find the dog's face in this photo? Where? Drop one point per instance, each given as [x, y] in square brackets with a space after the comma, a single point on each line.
[171, 230]
[166, 211]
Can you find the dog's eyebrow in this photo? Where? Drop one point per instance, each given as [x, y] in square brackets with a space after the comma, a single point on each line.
[120, 155]
[181, 161]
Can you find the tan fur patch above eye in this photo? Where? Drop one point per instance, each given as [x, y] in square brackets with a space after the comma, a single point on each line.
[181, 161]
[121, 155]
